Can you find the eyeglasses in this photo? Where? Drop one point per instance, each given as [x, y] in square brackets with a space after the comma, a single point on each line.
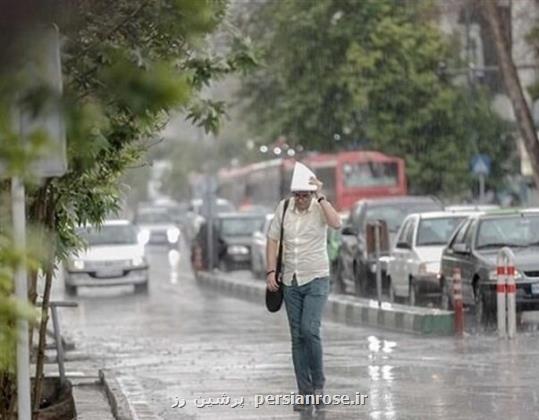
[302, 195]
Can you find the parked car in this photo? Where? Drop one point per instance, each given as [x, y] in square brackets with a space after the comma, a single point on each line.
[473, 249]
[235, 232]
[258, 249]
[472, 207]
[195, 216]
[158, 226]
[232, 240]
[114, 256]
[414, 264]
[356, 270]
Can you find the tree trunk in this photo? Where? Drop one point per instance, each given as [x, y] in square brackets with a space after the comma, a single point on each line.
[49, 223]
[42, 340]
[513, 86]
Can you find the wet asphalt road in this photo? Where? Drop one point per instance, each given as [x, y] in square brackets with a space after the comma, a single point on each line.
[182, 344]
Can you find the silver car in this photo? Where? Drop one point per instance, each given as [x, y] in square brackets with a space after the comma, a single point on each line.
[115, 256]
[414, 263]
[258, 249]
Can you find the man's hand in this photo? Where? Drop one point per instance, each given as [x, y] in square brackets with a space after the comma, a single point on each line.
[271, 282]
[318, 183]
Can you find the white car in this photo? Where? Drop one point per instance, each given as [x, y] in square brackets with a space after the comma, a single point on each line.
[414, 264]
[114, 256]
[258, 249]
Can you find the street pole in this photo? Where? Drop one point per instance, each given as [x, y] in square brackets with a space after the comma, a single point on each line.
[209, 197]
[377, 229]
[481, 188]
[21, 292]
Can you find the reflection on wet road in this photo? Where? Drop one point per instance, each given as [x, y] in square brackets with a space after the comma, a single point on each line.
[186, 343]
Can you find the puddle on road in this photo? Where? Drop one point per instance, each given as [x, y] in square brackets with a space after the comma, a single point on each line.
[376, 345]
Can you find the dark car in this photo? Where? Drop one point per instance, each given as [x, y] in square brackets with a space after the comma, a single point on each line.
[473, 249]
[356, 269]
[235, 232]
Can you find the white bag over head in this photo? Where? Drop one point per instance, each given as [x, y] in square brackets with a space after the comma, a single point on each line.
[301, 177]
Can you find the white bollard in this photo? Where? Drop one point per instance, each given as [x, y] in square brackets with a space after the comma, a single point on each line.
[506, 293]
[500, 293]
[511, 290]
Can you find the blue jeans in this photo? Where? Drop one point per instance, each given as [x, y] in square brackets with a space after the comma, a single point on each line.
[304, 307]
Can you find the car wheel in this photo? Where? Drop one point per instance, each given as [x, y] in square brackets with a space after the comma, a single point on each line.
[412, 293]
[482, 313]
[71, 290]
[141, 288]
[445, 300]
[223, 266]
[361, 280]
[338, 279]
[391, 291]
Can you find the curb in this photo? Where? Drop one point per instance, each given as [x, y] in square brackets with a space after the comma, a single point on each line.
[352, 310]
[117, 399]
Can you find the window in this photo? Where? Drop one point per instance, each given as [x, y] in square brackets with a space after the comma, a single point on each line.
[109, 235]
[410, 232]
[437, 231]
[370, 174]
[508, 231]
[404, 231]
[459, 238]
[240, 227]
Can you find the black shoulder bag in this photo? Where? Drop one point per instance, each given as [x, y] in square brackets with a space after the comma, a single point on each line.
[274, 300]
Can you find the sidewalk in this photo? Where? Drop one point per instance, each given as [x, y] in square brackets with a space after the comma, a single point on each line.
[347, 309]
[90, 400]
[89, 391]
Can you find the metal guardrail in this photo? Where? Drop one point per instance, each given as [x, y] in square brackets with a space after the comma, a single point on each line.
[58, 343]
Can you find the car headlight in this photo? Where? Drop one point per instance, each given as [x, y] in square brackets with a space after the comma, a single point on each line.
[78, 264]
[237, 250]
[493, 275]
[173, 234]
[137, 261]
[143, 236]
[428, 268]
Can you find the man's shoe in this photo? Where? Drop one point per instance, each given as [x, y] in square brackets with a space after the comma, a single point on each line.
[301, 407]
[319, 404]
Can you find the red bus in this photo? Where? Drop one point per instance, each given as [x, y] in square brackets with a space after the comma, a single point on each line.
[347, 177]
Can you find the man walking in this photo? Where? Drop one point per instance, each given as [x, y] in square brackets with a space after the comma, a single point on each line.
[306, 274]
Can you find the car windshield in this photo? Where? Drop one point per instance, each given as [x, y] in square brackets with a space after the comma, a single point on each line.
[240, 226]
[436, 231]
[224, 207]
[395, 213]
[508, 231]
[156, 217]
[109, 235]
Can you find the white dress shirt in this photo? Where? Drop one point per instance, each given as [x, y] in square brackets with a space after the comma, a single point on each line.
[304, 243]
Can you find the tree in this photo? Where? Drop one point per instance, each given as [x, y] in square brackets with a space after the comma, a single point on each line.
[513, 86]
[366, 74]
[126, 65]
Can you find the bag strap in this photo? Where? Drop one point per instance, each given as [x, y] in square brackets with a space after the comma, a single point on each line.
[279, 265]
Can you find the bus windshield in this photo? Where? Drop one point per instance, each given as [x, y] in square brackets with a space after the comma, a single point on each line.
[370, 174]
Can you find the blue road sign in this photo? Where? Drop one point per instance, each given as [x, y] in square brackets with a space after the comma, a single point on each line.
[480, 165]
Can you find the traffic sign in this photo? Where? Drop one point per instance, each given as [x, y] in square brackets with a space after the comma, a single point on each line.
[42, 71]
[480, 164]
